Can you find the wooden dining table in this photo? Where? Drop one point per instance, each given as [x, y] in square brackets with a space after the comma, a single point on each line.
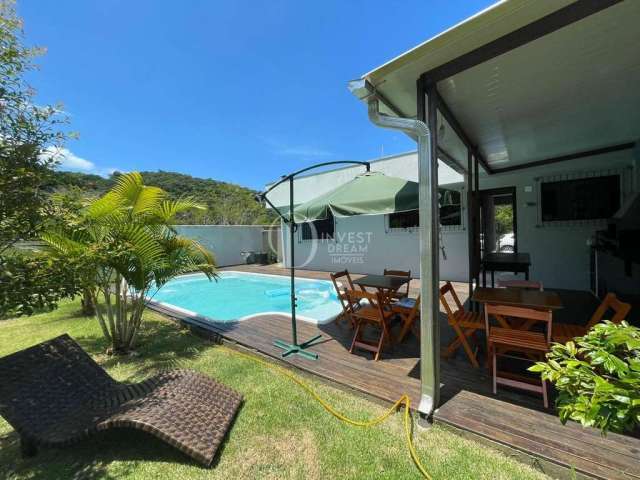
[383, 283]
[548, 301]
[518, 297]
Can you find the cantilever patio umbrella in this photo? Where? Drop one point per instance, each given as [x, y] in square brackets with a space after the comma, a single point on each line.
[370, 193]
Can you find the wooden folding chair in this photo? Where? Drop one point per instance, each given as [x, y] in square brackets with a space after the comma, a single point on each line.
[562, 333]
[503, 342]
[464, 323]
[347, 308]
[526, 284]
[376, 312]
[409, 313]
[532, 284]
[397, 295]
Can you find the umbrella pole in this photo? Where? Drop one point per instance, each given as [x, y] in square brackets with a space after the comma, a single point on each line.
[294, 348]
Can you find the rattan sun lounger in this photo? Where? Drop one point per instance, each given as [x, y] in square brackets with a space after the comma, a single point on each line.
[54, 394]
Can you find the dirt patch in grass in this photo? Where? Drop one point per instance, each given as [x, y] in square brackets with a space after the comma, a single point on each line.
[292, 455]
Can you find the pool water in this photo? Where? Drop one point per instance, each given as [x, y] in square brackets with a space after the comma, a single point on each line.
[241, 295]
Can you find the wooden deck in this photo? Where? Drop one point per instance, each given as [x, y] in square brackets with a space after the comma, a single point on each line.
[396, 373]
[541, 439]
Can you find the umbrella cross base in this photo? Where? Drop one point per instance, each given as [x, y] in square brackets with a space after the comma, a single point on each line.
[298, 349]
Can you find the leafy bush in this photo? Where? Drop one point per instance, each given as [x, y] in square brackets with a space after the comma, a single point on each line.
[127, 238]
[598, 379]
[30, 282]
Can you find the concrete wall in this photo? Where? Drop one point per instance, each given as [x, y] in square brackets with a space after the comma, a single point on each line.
[559, 254]
[226, 241]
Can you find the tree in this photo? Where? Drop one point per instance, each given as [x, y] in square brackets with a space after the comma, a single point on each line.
[227, 204]
[29, 135]
[504, 219]
[128, 236]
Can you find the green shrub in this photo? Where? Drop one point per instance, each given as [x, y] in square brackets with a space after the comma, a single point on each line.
[597, 377]
[31, 282]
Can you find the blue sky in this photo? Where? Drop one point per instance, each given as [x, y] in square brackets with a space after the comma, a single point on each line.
[240, 90]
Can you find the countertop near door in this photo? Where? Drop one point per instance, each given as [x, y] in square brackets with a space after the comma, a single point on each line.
[505, 260]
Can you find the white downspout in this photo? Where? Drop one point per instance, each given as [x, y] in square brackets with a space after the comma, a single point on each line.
[429, 256]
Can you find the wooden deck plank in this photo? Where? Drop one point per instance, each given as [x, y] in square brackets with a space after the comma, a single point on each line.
[540, 434]
[467, 401]
[335, 363]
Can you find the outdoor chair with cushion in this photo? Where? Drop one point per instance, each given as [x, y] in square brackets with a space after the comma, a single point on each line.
[562, 333]
[338, 280]
[408, 309]
[465, 324]
[53, 394]
[375, 312]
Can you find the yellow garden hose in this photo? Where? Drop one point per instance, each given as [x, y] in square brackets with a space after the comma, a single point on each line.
[404, 399]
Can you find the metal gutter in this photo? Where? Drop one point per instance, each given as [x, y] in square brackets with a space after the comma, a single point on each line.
[368, 89]
[429, 252]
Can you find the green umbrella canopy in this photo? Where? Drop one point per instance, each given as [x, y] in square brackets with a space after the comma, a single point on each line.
[371, 193]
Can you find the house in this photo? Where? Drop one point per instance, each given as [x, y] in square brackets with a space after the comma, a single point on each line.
[368, 244]
[535, 105]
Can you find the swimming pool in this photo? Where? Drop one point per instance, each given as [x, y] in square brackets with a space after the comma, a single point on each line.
[240, 295]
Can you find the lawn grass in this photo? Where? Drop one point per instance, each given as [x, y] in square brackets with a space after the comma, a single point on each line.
[280, 432]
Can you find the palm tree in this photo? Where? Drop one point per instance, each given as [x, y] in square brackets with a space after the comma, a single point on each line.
[128, 240]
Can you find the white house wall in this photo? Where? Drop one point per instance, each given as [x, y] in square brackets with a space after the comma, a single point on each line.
[362, 244]
[398, 250]
[560, 255]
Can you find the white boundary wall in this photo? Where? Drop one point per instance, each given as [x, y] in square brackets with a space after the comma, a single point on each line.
[226, 241]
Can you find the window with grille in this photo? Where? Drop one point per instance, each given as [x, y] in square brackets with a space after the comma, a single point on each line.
[319, 229]
[590, 198]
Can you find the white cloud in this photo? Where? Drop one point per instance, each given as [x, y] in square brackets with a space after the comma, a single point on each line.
[67, 160]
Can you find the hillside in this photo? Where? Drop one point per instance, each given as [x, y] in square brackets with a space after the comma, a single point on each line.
[227, 204]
